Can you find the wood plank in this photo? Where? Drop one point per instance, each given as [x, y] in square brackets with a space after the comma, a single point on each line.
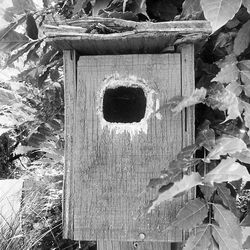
[188, 115]
[112, 170]
[70, 85]
[191, 26]
[138, 245]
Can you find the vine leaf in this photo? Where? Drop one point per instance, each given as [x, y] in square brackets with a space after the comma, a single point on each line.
[246, 237]
[197, 96]
[206, 136]
[227, 199]
[214, 245]
[227, 170]
[179, 187]
[218, 12]
[223, 99]
[201, 240]
[243, 156]
[246, 221]
[229, 222]
[226, 242]
[191, 215]
[207, 191]
[229, 73]
[229, 59]
[246, 107]
[235, 87]
[226, 145]
[242, 39]
[191, 9]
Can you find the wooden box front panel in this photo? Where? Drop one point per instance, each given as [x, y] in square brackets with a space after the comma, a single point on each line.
[110, 171]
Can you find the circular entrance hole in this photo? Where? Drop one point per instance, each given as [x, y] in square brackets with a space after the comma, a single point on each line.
[124, 104]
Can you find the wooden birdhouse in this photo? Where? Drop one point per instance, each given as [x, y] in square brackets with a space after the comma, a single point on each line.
[118, 131]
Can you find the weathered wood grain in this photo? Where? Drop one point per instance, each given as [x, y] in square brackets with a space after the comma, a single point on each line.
[70, 85]
[116, 245]
[111, 171]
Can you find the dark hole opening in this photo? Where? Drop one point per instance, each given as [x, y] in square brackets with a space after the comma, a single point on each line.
[124, 104]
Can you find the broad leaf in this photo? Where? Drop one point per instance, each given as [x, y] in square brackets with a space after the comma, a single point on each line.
[246, 237]
[206, 136]
[243, 156]
[228, 74]
[224, 100]
[192, 214]
[227, 199]
[228, 221]
[229, 59]
[191, 9]
[213, 244]
[225, 241]
[227, 170]
[8, 97]
[200, 240]
[235, 88]
[226, 145]
[218, 12]
[197, 96]
[181, 186]
[246, 107]
[246, 221]
[244, 65]
[207, 191]
[242, 39]
[11, 40]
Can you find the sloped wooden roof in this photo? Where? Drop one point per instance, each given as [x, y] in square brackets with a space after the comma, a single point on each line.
[91, 36]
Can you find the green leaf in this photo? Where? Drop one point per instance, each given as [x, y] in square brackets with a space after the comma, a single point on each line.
[242, 39]
[235, 87]
[229, 73]
[225, 241]
[227, 199]
[219, 12]
[228, 222]
[181, 186]
[201, 240]
[244, 65]
[227, 170]
[226, 145]
[229, 59]
[197, 96]
[191, 215]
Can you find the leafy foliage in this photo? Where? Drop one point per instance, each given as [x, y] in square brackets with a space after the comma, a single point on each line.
[32, 113]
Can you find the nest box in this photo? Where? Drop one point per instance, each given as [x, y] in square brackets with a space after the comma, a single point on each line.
[118, 131]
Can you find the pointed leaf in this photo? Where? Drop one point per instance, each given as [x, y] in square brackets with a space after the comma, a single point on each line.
[191, 8]
[227, 170]
[225, 241]
[206, 137]
[243, 156]
[207, 191]
[213, 244]
[226, 197]
[229, 59]
[228, 221]
[191, 215]
[228, 74]
[246, 237]
[183, 185]
[218, 12]
[226, 145]
[201, 240]
[197, 96]
[242, 39]
[235, 87]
